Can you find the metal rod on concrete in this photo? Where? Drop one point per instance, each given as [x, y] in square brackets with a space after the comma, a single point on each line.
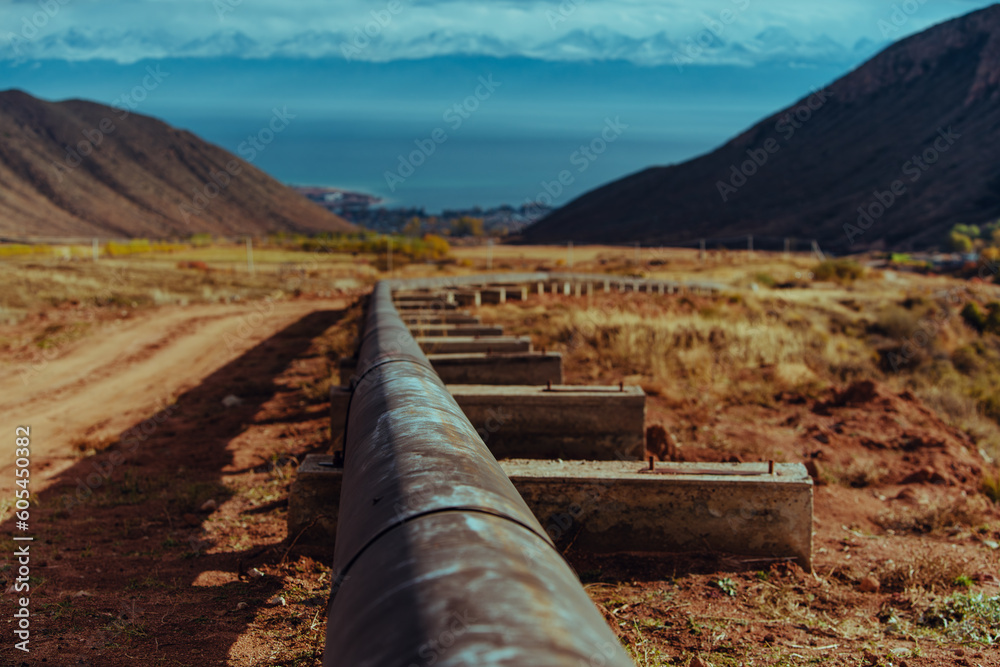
[436, 551]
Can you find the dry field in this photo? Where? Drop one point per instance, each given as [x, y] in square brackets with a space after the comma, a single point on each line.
[187, 395]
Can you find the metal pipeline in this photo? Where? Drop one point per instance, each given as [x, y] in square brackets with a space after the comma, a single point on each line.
[438, 560]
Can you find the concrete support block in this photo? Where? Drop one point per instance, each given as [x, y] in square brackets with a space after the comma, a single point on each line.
[493, 295]
[469, 298]
[564, 421]
[340, 401]
[346, 369]
[516, 292]
[533, 422]
[487, 344]
[440, 318]
[455, 330]
[607, 286]
[422, 297]
[620, 506]
[505, 369]
[314, 501]
[529, 368]
[613, 506]
[425, 305]
[578, 289]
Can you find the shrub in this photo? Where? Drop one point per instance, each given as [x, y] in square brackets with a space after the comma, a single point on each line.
[974, 317]
[896, 322]
[959, 242]
[991, 486]
[993, 317]
[838, 270]
[765, 279]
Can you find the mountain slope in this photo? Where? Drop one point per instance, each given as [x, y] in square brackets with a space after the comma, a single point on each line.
[840, 149]
[77, 168]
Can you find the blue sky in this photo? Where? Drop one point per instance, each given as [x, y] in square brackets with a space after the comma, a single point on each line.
[646, 32]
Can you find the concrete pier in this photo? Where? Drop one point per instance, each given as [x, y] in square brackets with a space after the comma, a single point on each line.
[434, 306]
[622, 506]
[452, 330]
[528, 368]
[469, 298]
[493, 295]
[465, 344]
[535, 422]
[421, 297]
[561, 422]
[440, 318]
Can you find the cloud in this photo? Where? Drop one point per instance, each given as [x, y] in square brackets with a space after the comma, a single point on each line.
[642, 31]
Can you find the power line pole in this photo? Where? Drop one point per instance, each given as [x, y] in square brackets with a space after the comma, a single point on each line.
[819, 253]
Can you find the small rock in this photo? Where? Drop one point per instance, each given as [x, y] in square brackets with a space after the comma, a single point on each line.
[241, 605]
[277, 601]
[696, 661]
[231, 401]
[900, 651]
[82, 594]
[209, 505]
[769, 638]
[256, 574]
[927, 474]
[869, 585]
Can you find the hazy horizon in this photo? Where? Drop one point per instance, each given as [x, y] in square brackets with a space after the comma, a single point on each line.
[682, 77]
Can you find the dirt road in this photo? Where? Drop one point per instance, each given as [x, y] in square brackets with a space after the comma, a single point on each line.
[91, 390]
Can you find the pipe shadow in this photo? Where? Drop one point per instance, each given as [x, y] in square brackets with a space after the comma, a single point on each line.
[122, 572]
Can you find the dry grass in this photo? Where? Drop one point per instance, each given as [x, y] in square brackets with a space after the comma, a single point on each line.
[743, 349]
[991, 486]
[926, 570]
[750, 348]
[962, 512]
[31, 283]
[860, 472]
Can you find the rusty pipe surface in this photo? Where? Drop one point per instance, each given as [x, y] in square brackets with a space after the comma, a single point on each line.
[438, 560]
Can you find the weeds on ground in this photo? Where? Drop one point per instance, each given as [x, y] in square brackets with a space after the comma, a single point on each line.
[969, 618]
[964, 512]
[927, 571]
